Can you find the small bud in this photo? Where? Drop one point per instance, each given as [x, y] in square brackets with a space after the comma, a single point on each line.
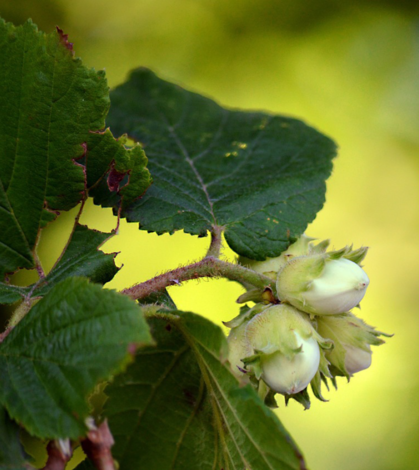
[322, 284]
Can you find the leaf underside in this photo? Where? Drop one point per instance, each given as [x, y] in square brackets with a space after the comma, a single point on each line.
[260, 176]
[76, 336]
[179, 407]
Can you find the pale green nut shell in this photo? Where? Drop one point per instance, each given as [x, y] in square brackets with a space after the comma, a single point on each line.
[272, 330]
[357, 359]
[288, 348]
[339, 286]
[290, 376]
[299, 248]
[352, 340]
[238, 348]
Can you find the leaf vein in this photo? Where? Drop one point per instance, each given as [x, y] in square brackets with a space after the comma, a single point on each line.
[189, 421]
[155, 387]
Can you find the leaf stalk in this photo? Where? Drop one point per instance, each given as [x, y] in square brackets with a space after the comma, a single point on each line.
[216, 242]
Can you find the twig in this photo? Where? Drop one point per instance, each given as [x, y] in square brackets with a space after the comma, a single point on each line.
[97, 447]
[57, 456]
[208, 267]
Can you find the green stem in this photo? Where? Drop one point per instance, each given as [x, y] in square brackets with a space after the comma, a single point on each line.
[216, 242]
[208, 267]
[21, 311]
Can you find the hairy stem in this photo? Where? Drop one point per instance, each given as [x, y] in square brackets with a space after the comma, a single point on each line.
[208, 267]
[21, 311]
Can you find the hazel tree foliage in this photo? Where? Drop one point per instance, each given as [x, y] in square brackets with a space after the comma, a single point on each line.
[127, 376]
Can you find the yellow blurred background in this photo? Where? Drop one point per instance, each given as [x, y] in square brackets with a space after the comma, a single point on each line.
[352, 71]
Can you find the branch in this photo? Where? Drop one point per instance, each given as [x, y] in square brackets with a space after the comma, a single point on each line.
[208, 267]
[59, 453]
[98, 445]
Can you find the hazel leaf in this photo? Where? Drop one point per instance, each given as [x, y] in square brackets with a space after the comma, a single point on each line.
[48, 105]
[76, 336]
[52, 118]
[12, 455]
[258, 175]
[82, 257]
[209, 421]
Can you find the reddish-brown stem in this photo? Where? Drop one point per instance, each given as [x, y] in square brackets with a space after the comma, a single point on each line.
[57, 459]
[97, 447]
[38, 266]
[5, 333]
[208, 267]
[118, 220]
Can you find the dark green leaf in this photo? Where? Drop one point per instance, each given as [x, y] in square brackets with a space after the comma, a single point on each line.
[48, 105]
[260, 176]
[52, 109]
[74, 337]
[179, 407]
[82, 258]
[12, 455]
[10, 294]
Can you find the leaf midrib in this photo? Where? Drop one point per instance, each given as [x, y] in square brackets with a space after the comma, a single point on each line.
[185, 154]
[189, 421]
[153, 393]
[205, 370]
